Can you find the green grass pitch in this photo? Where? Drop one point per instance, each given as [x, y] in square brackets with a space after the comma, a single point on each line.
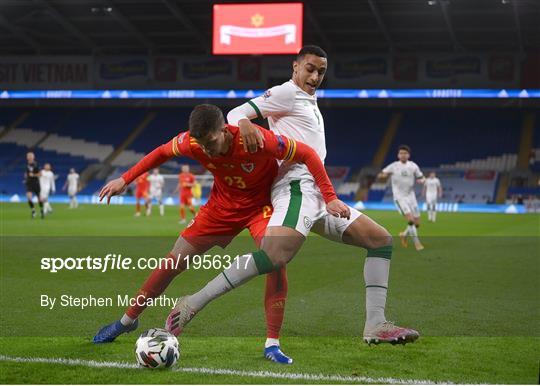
[473, 294]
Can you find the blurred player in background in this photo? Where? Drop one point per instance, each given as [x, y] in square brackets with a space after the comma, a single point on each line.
[47, 186]
[197, 193]
[157, 182]
[403, 175]
[299, 207]
[72, 185]
[186, 180]
[431, 192]
[31, 181]
[141, 193]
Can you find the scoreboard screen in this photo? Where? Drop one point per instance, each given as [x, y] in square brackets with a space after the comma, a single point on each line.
[255, 29]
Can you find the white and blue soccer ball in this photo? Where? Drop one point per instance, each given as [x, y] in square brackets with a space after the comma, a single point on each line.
[157, 348]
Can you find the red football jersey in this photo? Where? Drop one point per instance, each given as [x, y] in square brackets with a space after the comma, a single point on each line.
[241, 180]
[186, 181]
[142, 182]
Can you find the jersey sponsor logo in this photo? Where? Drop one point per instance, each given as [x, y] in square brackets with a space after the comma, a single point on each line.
[307, 222]
[228, 166]
[211, 166]
[267, 94]
[248, 167]
[404, 173]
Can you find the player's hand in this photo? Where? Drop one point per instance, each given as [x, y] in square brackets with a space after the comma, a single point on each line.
[339, 209]
[253, 138]
[113, 188]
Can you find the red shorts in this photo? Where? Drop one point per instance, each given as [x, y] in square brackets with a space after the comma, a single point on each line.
[218, 226]
[141, 194]
[185, 199]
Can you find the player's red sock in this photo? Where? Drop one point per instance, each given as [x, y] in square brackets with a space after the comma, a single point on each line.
[192, 210]
[182, 213]
[274, 301]
[154, 286]
[137, 207]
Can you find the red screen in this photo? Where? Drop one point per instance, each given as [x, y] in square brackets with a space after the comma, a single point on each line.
[257, 28]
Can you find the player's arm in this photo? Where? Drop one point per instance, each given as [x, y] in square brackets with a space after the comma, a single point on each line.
[242, 116]
[152, 160]
[385, 173]
[278, 100]
[287, 149]
[419, 175]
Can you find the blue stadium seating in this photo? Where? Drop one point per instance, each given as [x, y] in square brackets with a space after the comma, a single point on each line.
[12, 173]
[7, 116]
[353, 134]
[438, 136]
[167, 124]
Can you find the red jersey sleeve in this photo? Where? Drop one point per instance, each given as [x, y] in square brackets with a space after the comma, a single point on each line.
[287, 149]
[178, 146]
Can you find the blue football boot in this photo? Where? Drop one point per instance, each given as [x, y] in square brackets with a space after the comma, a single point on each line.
[274, 354]
[111, 331]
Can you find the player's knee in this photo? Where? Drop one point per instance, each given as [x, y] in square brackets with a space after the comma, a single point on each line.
[381, 239]
[279, 255]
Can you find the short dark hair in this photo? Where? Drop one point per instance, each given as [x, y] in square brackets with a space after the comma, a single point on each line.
[204, 119]
[313, 50]
[404, 147]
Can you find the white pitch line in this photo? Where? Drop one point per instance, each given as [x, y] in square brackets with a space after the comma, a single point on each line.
[203, 370]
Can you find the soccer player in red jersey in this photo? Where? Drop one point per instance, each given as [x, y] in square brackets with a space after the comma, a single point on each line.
[240, 199]
[186, 180]
[141, 193]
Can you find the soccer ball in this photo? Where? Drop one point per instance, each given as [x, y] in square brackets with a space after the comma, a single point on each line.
[157, 348]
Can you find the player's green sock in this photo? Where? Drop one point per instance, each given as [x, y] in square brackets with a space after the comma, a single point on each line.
[376, 272]
[242, 269]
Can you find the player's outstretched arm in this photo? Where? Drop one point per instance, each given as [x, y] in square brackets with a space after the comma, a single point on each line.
[279, 100]
[112, 188]
[152, 160]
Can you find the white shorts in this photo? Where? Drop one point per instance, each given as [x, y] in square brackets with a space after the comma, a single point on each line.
[72, 191]
[406, 205]
[431, 200]
[156, 194]
[44, 194]
[298, 204]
